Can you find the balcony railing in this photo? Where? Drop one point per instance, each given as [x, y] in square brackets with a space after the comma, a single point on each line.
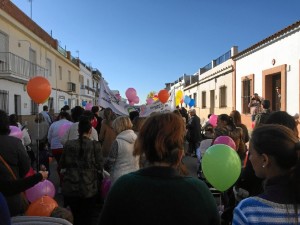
[19, 67]
[223, 58]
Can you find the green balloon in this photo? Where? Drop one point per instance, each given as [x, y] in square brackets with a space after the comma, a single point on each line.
[221, 166]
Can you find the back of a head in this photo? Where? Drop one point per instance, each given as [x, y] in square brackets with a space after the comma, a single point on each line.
[63, 213]
[13, 119]
[283, 118]
[84, 126]
[236, 116]
[76, 112]
[121, 123]
[45, 108]
[108, 114]
[88, 114]
[265, 104]
[160, 138]
[133, 114]
[95, 109]
[4, 123]
[137, 123]
[277, 141]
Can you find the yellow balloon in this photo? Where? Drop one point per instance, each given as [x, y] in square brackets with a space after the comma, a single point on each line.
[179, 94]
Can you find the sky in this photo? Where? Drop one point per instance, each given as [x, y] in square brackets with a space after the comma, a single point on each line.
[143, 44]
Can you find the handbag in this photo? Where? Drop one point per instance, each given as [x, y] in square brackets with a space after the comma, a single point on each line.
[24, 201]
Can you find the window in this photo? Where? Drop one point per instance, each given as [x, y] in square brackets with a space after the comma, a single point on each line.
[247, 86]
[34, 108]
[203, 99]
[49, 67]
[223, 96]
[60, 72]
[50, 103]
[4, 100]
[195, 99]
[69, 75]
[88, 85]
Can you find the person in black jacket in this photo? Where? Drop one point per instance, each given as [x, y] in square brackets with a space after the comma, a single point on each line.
[194, 132]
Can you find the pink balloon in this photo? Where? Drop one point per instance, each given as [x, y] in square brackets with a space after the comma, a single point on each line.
[149, 101]
[213, 120]
[88, 106]
[131, 103]
[226, 140]
[40, 189]
[130, 94]
[15, 132]
[253, 124]
[136, 100]
[64, 128]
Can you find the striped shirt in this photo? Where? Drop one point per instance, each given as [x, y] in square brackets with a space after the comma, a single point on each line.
[258, 211]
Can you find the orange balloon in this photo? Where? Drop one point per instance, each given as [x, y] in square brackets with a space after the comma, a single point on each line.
[41, 207]
[163, 95]
[38, 89]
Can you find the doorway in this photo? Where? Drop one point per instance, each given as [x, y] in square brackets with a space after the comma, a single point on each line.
[276, 92]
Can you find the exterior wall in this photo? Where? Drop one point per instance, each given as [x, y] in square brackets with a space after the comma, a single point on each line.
[20, 40]
[213, 79]
[86, 94]
[279, 55]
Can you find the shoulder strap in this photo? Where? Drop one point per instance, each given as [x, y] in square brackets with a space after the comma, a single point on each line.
[8, 167]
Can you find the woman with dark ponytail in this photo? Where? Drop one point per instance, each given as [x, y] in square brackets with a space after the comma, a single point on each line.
[275, 157]
[82, 162]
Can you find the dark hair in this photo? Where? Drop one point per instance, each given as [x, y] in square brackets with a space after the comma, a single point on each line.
[65, 115]
[13, 120]
[4, 123]
[76, 112]
[133, 114]
[60, 212]
[108, 115]
[138, 122]
[283, 118]
[65, 108]
[228, 120]
[84, 127]
[88, 114]
[280, 142]
[236, 116]
[161, 138]
[95, 109]
[45, 107]
[266, 104]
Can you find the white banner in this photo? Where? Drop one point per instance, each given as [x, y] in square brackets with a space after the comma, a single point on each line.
[107, 99]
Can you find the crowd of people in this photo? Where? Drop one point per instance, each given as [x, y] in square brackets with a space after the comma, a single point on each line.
[149, 184]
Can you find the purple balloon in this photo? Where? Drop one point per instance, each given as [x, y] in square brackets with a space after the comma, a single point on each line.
[40, 189]
[89, 106]
[226, 140]
[15, 132]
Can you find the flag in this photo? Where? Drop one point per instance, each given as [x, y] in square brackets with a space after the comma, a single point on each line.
[107, 99]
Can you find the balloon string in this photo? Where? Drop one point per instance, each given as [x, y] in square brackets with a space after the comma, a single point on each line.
[38, 142]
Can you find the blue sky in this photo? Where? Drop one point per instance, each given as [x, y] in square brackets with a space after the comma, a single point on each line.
[146, 43]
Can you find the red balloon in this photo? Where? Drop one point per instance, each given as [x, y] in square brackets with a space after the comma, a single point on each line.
[42, 207]
[38, 89]
[163, 96]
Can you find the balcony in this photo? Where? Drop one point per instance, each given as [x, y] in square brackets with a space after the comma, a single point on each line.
[18, 69]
